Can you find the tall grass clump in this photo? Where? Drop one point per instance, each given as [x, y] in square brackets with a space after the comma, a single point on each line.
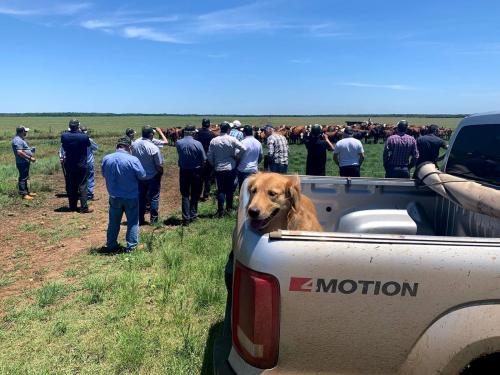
[50, 293]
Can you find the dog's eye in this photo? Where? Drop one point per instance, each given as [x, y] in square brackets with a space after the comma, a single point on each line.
[253, 191]
[272, 193]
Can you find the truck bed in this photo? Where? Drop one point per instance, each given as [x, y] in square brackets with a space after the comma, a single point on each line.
[337, 198]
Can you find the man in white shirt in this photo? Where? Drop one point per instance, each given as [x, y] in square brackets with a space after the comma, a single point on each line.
[349, 155]
[249, 162]
[151, 160]
[222, 156]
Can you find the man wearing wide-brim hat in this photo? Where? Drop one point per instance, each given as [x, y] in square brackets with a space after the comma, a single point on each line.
[24, 157]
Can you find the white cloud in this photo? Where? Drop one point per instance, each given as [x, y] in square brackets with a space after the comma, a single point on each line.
[102, 23]
[54, 10]
[148, 33]
[378, 86]
[69, 9]
[18, 12]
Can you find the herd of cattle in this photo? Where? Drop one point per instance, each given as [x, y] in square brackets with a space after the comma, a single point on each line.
[367, 131]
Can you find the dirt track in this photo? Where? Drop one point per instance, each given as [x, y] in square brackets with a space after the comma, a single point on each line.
[38, 243]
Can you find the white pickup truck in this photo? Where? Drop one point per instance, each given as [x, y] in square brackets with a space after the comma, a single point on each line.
[402, 281]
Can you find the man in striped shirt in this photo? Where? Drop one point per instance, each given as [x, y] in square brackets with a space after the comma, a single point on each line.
[398, 150]
[278, 151]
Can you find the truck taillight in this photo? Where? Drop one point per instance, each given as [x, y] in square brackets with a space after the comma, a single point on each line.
[255, 316]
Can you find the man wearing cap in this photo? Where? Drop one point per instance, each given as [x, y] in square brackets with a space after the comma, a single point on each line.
[122, 173]
[317, 145]
[222, 156]
[277, 150]
[205, 136]
[150, 157]
[75, 145]
[349, 154]
[191, 159]
[130, 133]
[235, 130]
[400, 153]
[24, 157]
[429, 145]
[249, 162]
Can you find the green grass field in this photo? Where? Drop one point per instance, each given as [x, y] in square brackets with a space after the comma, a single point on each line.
[155, 311]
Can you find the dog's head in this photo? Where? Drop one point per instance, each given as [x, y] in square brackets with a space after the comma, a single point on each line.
[272, 198]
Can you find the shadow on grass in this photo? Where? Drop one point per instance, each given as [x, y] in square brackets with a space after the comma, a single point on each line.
[105, 251]
[62, 209]
[61, 195]
[208, 358]
[173, 221]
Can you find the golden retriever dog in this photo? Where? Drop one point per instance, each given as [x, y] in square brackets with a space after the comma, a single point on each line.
[277, 203]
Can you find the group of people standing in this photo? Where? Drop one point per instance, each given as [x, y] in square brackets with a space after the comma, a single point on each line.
[401, 152]
[231, 158]
[133, 172]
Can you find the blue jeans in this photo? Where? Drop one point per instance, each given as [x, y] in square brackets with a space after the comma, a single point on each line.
[278, 168]
[225, 189]
[90, 182]
[397, 172]
[117, 206]
[24, 173]
[242, 177]
[190, 182]
[149, 188]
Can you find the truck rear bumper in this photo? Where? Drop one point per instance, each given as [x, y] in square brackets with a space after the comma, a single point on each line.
[222, 347]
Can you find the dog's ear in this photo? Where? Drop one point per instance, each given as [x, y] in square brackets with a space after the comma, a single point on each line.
[293, 191]
[251, 181]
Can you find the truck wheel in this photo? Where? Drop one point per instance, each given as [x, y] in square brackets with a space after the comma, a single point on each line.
[488, 364]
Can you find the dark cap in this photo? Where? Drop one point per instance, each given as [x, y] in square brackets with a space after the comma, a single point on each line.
[316, 130]
[129, 132]
[21, 129]
[147, 131]
[348, 130]
[190, 128]
[205, 123]
[74, 123]
[247, 130]
[268, 126]
[433, 128]
[402, 125]
[224, 127]
[123, 141]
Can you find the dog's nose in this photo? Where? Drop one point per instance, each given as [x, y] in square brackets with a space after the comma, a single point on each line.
[253, 212]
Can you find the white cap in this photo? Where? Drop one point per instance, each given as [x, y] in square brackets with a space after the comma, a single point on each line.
[236, 123]
[231, 125]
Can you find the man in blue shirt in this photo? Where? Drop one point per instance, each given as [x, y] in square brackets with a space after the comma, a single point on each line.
[150, 157]
[75, 145]
[122, 173]
[24, 157]
[191, 159]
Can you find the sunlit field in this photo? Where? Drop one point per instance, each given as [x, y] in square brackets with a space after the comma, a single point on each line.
[155, 311]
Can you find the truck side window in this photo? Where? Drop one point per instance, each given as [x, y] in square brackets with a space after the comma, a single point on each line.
[475, 154]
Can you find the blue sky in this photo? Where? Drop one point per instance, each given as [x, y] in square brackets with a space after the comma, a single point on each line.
[263, 57]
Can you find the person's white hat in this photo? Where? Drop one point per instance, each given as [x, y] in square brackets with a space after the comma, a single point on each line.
[231, 125]
[21, 129]
[236, 123]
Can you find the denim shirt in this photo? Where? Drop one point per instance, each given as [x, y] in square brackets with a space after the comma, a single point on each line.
[122, 173]
[191, 153]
